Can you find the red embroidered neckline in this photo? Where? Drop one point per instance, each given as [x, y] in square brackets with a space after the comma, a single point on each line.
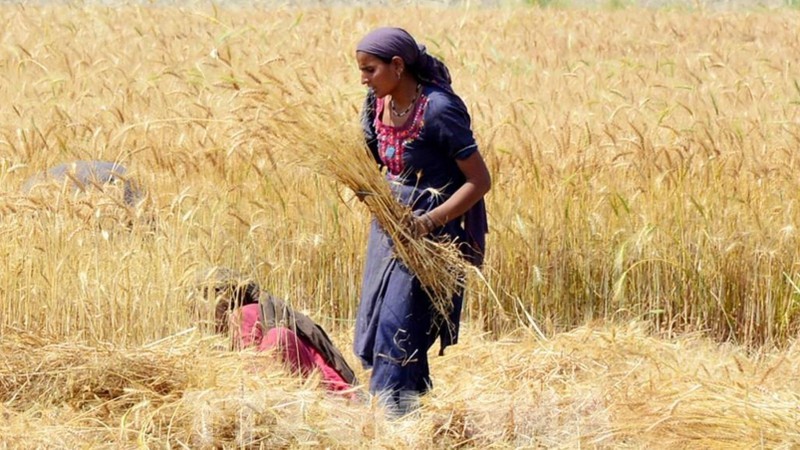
[392, 141]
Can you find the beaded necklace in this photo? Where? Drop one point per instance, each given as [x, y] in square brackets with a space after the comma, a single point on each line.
[402, 113]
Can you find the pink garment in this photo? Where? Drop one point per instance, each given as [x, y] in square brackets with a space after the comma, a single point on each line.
[301, 356]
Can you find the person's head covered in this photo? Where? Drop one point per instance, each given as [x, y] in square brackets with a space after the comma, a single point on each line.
[396, 46]
[226, 289]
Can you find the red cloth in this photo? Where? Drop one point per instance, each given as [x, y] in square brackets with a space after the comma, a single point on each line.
[298, 354]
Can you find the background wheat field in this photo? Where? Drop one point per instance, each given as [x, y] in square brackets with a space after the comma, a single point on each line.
[643, 277]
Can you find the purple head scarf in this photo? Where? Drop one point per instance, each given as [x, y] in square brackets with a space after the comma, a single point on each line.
[386, 43]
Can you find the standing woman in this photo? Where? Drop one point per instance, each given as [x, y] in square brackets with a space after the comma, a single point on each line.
[418, 129]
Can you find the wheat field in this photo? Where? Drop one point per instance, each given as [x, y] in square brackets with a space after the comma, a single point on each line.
[642, 281]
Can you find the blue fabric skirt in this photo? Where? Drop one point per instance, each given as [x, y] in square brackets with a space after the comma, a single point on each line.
[396, 324]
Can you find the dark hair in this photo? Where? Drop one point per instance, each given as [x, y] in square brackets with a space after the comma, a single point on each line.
[384, 59]
[230, 289]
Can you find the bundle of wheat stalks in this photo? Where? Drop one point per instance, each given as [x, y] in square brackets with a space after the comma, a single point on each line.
[339, 152]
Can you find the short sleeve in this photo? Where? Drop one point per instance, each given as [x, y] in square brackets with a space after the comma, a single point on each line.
[453, 126]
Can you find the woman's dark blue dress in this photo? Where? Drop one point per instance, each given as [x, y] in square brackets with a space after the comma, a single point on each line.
[396, 324]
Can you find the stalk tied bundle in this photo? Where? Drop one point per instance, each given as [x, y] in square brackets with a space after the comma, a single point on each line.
[339, 152]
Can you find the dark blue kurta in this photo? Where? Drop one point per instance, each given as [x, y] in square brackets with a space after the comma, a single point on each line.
[396, 324]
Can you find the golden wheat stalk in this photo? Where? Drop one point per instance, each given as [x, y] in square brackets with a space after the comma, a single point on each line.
[339, 152]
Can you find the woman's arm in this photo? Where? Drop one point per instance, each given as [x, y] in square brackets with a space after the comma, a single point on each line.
[477, 184]
[368, 111]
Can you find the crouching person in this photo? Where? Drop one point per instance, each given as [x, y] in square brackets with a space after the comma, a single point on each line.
[96, 192]
[85, 175]
[256, 319]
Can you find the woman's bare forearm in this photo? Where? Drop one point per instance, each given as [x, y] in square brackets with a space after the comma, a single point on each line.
[478, 183]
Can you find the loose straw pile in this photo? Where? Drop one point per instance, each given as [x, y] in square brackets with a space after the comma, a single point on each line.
[339, 152]
[612, 386]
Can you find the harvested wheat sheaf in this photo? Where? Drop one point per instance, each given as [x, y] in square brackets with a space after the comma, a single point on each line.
[341, 154]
